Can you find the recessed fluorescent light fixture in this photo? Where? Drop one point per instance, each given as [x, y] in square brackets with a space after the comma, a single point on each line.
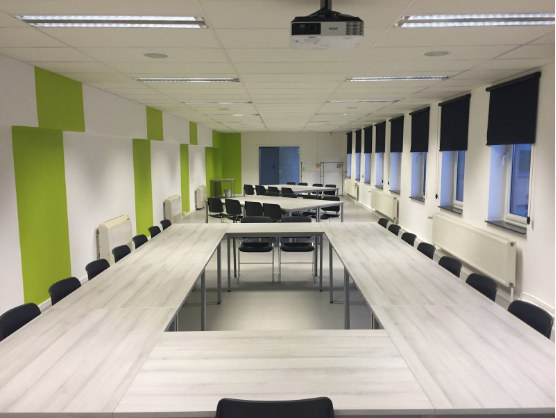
[189, 80]
[362, 101]
[502, 19]
[402, 78]
[217, 103]
[78, 21]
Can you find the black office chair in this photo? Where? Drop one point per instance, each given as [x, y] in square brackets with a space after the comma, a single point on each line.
[253, 209]
[61, 289]
[331, 211]
[260, 245]
[272, 194]
[248, 190]
[483, 284]
[312, 213]
[451, 264]
[233, 209]
[260, 190]
[216, 208]
[316, 185]
[290, 195]
[272, 211]
[330, 192]
[394, 229]
[120, 252]
[165, 224]
[427, 249]
[409, 238]
[94, 268]
[286, 190]
[291, 182]
[16, 318]
[273, 189]
[302, 184]
[305, 408]
[139, 240]
[154, 231]
[533, 315]
[294, 246]
[383, 222]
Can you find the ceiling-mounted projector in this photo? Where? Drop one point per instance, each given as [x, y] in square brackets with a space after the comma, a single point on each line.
[326, 29]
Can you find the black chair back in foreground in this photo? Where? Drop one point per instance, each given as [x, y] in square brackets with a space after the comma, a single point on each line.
[261, 245]
[427, 249]
[253, 209]
[330, 211]
[273, 211]
[290, 195]
[453, 265]
[533, 315]
[409, 238]
[165, 224]
[260, 190]
[139, 240]
[302, 184]
[61, 289]
[383, 222]
[286, 190]
[248, 190]
[394, 229]
[273, 189]
[305, 408]
[120, 252]
[330, 192]
[291, 182]
[216, 208]
[155, 230]
[483, 284]
[233, 209]
[94, 268]
[15, 318]
[272, 194]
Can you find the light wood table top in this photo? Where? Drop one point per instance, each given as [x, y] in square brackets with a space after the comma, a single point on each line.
[294, 229]
[187, 373]
[288, 204]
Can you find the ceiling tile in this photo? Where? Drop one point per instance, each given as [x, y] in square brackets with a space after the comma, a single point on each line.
[479, 6]
[547, 39]
[75, 67]
[25, 38]
[8, 21]
[531, 52]
[254, 38]
[171, 68]
[513, 64]
[300, 68]
[45, 54]
[455, 53]
[174, 54]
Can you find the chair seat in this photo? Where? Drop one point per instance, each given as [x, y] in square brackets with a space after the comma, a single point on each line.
[255, 247]
[329, 216]
[217, 215]
[297, 247]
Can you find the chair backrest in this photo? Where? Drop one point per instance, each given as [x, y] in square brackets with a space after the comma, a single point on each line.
[165, 224]
[215, 205]
[253, 209]
[427, 249]
[290, 195]
[248, 189]
[409, 238]
[302, 184]
[453, 265]
[294, 219]
[272, 194]
[329, 185]
[330, 192]
[260, 189]
[533, 315]
[120, 252]
[331, 208]
[286, 190]
[233, 207]
[139, 240]
[483, 284]
[317, 185]
[383, 222]
[290, 182]
[15, 318]
[305, 408]
[311, 196]
[154, 231]
[273, 211]
[61, 289]
[273, 189]
[394, 229]
[94, 268]
[256, 220]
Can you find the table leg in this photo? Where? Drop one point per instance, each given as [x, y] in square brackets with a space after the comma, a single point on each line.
[321, 240]
[229, 260]
[342, 213]
[203, 301]
[331, 263]
[346, 299]
[219, 271]
[235, 268]
[318, 214]
[206, 212]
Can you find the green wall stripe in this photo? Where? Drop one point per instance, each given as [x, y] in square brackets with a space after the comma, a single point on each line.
[193, 134]
[42, 209]
[184, 167]
[155, 129]
[59, 102]
[143, 185]
[230, 147]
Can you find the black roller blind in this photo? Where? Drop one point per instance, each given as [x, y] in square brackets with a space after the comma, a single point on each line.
[396, 134]
[358, 141]
[381, 137]
[349, 143]
[420, 130]
[512, 111]
[454, 124]
[368, 139]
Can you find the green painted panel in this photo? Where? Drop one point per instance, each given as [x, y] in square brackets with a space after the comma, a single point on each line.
[42, 209]
[184, 166]
[155, 130]
[217, 139]
[59, 102]
[193, 134]
[230, 147]
[143, 185]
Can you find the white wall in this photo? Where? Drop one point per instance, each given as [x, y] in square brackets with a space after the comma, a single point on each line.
[204, 136]
[175, 129]
[165, 174]
[197, 172]
[18, 101]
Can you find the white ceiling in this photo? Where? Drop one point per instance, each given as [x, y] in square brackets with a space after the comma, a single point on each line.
[289, 88]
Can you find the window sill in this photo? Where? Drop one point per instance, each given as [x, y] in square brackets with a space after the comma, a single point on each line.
[418, 198]
[368, 182]
[508, 226]
[379, 187]
[453, 209]
[395, 191]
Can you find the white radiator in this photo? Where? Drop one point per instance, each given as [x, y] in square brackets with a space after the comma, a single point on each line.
[485, 252]
[172, 208]
[385, 203]
[200, 197]
[351, 188]
[113, 233]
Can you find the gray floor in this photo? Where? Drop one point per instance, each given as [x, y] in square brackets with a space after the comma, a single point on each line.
[256, 303]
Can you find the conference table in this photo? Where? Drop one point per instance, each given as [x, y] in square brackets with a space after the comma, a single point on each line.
[304, 189]
[443, 347]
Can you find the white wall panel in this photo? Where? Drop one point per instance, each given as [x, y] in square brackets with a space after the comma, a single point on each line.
[18, 101]
[204, 136]
[99, 186]
[197, 172]
[175, 129]
[11, 279]
[108, 114]
[166, 175]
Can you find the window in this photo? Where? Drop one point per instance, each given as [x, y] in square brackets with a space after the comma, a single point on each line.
[459, 171]
[518, 183]
[395, 171]
[420, 120]
[348, 175]
[358, 166]
[419, 175]
[379, 164]
[367, 168]
[368, 148]
[349, 151]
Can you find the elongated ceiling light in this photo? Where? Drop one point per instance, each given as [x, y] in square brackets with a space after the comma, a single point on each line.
[79, 21]
[500, 19]
[402, 78]
[189, 80]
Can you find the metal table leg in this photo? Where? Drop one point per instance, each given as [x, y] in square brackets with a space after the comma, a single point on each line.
[203, 301]
[342, 213]
[235, 265]
[346, 299]
[331, 263]
[229, 261]
[321, 240]
[219, 271]
[206, 212]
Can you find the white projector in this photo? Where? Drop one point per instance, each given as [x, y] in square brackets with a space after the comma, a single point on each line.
[326, 29]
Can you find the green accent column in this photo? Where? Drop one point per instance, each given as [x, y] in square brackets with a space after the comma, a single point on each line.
[143, 185]
[230, 147]
[155, 130]
[193, 134]
[184, 166]
[59, 102]
[40, 182]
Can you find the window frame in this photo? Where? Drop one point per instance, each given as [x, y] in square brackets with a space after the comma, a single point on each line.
[509, 162]
[456, 203]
